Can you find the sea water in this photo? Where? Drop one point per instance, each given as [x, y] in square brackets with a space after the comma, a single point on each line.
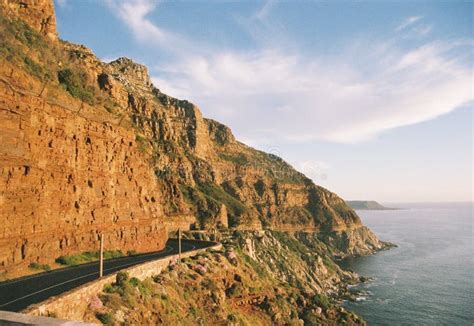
[428, 279]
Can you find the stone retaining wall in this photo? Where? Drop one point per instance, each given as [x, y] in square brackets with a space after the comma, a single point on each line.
[73, 304]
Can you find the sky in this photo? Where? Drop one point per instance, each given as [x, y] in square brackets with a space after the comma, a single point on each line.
[372, 100]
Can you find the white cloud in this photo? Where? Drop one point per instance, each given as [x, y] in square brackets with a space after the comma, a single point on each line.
[134, 14]
[318, 171]
[270, 94]
[412, 27]
[407, 22]
[423, 30]
[264, 11]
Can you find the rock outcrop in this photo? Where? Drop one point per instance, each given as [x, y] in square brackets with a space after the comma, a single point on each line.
[39, 14]
[90, 147]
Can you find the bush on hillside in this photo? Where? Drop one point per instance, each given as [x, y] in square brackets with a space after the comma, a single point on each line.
[75, 83]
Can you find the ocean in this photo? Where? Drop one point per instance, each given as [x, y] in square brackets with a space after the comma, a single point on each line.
[428, 279]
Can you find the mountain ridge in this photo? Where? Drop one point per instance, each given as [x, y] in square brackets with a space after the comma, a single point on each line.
[93, 147]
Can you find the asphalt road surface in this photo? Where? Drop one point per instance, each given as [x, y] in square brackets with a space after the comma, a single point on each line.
[18, 294]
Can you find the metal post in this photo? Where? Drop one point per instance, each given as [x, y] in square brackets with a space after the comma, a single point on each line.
[101, 257]
[179, 245]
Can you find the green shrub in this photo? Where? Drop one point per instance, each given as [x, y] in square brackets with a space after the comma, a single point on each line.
[234, 206]
[86, 257]
[134, 281]
[36, 266]
[145, 287]
[310, 319]
[124, 287]
[258, 268]
[142, 143]
[112, 254]
[187, 193]
[75, 83]
[26, 35]
[330, 265]
[321, 300]
[109, 288]
[8, 51]
[35, 69]
[121, 278]
[105, 318]
[109, 104]
[193, 311]
[239, 159]
[72, 260]
[235, 290]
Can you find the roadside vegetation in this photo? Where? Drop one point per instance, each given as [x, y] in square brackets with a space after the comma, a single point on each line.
[88, 256]
[227, 287]
[40, 267]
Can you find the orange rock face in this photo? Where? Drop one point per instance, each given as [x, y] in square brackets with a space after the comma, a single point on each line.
[39, 14]
[65, 178]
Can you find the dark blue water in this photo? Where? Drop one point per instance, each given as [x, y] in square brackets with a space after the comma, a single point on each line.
[428, 279]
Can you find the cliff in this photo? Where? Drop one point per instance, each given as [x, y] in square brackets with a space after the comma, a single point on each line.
[39, 14]
[91, 147]
[68, 170]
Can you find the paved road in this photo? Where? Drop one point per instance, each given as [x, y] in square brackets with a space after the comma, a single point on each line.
[18, 294]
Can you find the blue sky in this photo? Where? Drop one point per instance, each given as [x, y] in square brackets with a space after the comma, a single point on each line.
[372, 100]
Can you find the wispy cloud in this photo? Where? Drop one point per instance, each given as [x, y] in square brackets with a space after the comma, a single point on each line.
[423, 30]
[134, 14]
[271, 93]
[407, 22]
[318, 171]
[264, 11]
[413, 27]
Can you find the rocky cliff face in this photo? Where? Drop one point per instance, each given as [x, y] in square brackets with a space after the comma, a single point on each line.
[39, 14]
[89, 147]
[211, 175]
[68, 171]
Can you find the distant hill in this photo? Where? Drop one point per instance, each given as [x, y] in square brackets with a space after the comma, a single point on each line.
[367, 205]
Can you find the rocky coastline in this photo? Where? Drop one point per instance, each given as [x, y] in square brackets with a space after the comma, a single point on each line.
[258, 278]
